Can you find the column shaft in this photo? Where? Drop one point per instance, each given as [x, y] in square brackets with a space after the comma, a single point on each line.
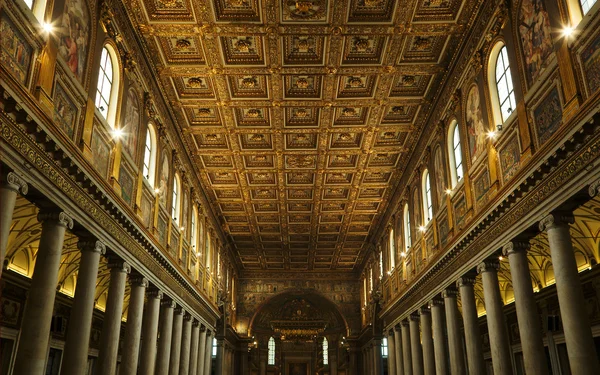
[163, 357]
[415, 345]
[111, 327]
[194, 348]
[176, 342]
[398, 348]
[406, 351]
[472, 335]
[150, 332]
[201, 351]
[80, 321]
[391, 354]
[377, 360]
[578, 335]
[427, 342]
[439, 337]
[8, 196]
[220, 356]
[208, 354]
[530, 330]
[32, 347]
[133, 328]
[499, 343]
[186, 341]
[455, 342]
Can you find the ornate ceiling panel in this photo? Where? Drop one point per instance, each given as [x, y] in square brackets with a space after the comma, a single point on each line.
[300, 114]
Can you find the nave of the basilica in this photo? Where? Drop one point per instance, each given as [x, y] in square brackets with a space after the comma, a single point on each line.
[299, 187]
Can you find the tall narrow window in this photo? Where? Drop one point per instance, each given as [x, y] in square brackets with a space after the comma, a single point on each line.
[455, 153]
[271, 356]
[586, 5]
[149, 167]
[214, 347]
[325, 351]
[427, 202]
[193, 229]
[105, 81]
[29, 3]
[384, 347]
[504, 85]
[175, 202]
[407, 235]
[392, 249]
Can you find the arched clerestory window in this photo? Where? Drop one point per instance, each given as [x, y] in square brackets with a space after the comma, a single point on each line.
[455, 153]
[407, 234]
[149, 167]
[427, 201]
[501, 87]
[107, 85]
[175, 203]
[271, 355]
[194, 229]
[586, 5]
[392, 245]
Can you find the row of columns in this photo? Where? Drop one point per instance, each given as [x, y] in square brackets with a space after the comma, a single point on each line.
[372, 358]
[419, 343]
[184, 348]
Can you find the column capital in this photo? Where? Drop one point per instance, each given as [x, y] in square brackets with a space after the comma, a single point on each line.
[88, 244]
[61, 217]
[435, 302]
[202, 328]
[168, 303]
[424, 311]
[208, 333]
[195, 323]
[16, 183]
[118, 264]
[414, 316]
[138, 280]
[465, 281]
[404, 323]
[556, 219]
[154, 293]
[179, 310]
[397, 328]
[592, 190]
[449, 293]
[187, 316]
[488, 265]
[515, 246]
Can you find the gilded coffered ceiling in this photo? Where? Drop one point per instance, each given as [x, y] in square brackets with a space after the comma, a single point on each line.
[300, 115]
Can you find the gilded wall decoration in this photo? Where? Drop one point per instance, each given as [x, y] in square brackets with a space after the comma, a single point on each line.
[174, 243]
[163, 178]
[590, 57]
[481, 186]
[536, 38]
[131, 122]
[16, 51]
[416, 210]
[460, 210]
[476, 129]
[161, 229]
[65, 110]
[510, 158]
[440, 176]
[127, 181]
[186, 210]
[100, 151]
[547, 116]
[443, 229]
[146, 208]
[73, 31]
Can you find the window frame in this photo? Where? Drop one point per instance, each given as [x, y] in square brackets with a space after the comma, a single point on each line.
[427, 201]
[392, 245]
[496, 57]
[176, 200]
[325, 351]
[194, 230]
[454, 149]
[271, 352]
[407, 233]
[113, 98]
[151, 176]
[584, 11]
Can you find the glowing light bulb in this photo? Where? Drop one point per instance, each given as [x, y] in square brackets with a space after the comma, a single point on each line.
[421, 229]
[568, 31]
[47, 27]
[491, 134]
[117, 133]
[448, 191]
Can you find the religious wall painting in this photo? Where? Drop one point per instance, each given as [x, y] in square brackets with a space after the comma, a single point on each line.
[510, 158]
[65, 111]
[476, 130]
[184, 257]
[416, 208]
[481, 186]
[460, 210]
[100, 151]
[186, 207]
[429, 246]
[590, 58]
[547, 116]
[174, 244]
[73, 31]
[161, 229]
[440, 176]
[16, 52]
[163, 178]
[131, 122]
[126, 180]
[10, 311]
[443, 229]
[536, 40]
[146, 208]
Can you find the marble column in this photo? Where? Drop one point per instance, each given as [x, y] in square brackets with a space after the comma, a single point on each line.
[201, 351]
[150, 332]
[577, 328]
[494, 306]
[163, 355]
[194, 347]
[333, 359]
[455, 342]
[353, 360]
[176, 342]
[398, 348]
[406, 351]
[391, 353]
[416, 352]
[186, 341]
[376, 354]
[220, 358]
[75, 355]
[530, 330]
[133, 328]
[32, 346]
[208, 354]
[436, 306]
[470, 321]
[111, 327]
[8, 196]
[427, 342]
